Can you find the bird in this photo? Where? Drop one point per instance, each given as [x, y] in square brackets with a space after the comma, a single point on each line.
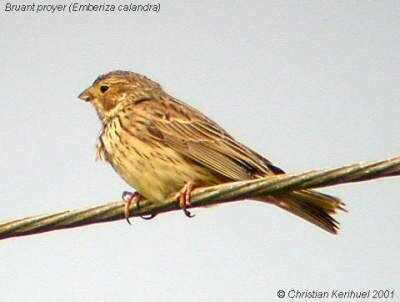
[163, 147]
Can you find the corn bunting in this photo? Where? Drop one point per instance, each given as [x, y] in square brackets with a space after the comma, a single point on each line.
[163, 147]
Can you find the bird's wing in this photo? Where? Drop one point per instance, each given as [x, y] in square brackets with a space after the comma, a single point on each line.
[195, 136]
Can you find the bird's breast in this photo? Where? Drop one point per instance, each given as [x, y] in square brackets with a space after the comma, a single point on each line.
[155, 170]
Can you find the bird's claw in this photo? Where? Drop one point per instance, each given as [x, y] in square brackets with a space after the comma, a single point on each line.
[183, 197]
[148, 217]
[129, 197]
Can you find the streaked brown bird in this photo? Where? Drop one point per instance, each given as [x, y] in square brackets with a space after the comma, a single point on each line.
[163, 147]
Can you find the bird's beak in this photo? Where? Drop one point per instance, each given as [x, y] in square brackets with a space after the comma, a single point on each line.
[85, 95]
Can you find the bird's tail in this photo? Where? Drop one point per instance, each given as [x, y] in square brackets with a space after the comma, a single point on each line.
[315, 207]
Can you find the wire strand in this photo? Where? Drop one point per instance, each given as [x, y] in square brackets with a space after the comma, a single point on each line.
[226, 192]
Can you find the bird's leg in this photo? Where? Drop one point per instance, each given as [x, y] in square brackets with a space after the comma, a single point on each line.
[183, 197]
[130, 197]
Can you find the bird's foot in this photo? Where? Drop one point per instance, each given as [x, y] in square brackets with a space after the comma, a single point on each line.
[130, 197]
[183, 198]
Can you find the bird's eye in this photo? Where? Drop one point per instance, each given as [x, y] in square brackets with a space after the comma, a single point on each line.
[104, 88]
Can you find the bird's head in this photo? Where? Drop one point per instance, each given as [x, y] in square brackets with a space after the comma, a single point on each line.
[112, 91]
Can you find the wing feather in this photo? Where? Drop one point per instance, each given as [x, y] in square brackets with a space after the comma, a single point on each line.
[195, 136]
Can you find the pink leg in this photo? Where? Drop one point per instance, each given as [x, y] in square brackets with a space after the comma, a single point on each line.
[130, 197]
[183, 197]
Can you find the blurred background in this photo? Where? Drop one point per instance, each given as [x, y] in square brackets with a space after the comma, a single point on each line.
[307, 84]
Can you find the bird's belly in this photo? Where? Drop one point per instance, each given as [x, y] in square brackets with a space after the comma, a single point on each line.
[154, 170]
